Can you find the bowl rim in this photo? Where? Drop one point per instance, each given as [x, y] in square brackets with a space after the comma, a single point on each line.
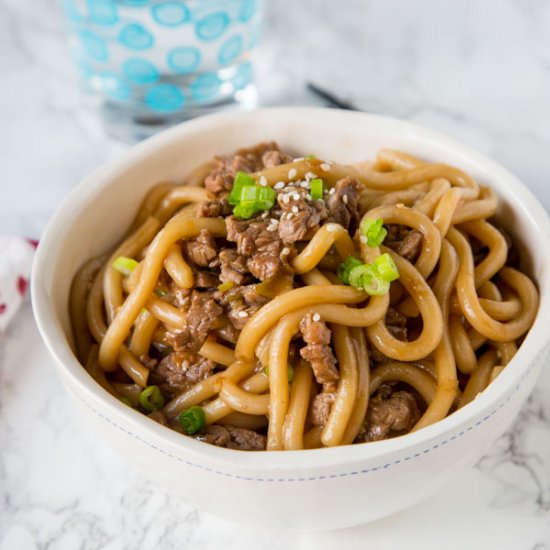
[83, 384]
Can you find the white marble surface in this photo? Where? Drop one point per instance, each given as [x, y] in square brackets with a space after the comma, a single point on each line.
[477, 70]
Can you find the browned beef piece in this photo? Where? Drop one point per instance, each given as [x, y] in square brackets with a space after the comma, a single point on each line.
[202, 249]
[228, 333]
[240, 303]
[260, 246]
[233, 266]
[179, 370]
[389, 414]
[148, 362]
[232, 437]
[220, 179]
[317, 350]
[214, 208]
[206, 279]
[404, 241]
[343, 203]
[271, 159]
[300, 217]
[201, 313]
[320, 408]
[267, 263]
[396, 324]
[376, 356]
[158, 416]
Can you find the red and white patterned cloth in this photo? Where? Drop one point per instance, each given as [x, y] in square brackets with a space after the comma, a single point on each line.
[16, 255]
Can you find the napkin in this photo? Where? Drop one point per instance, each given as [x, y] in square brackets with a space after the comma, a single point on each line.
[16, 255]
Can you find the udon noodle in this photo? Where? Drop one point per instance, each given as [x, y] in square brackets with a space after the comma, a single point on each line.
[256, 311]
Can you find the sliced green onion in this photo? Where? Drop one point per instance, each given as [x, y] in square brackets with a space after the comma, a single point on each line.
[126, 401]
[345, 268]
[310, 157]
[224, 287]
[250, 193]
[254, 199]
[374, 285]
[242, 180]
[192, 420]
[386, 268]
[160, 292]
[290, 372]
[245, 210]
[316, 189]
[363, 272]
[151, 398]
[374, 230]
[125, 265]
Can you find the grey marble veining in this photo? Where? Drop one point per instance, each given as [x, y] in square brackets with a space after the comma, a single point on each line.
[477, 70]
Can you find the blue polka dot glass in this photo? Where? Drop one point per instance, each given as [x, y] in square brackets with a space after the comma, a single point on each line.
[148, 64]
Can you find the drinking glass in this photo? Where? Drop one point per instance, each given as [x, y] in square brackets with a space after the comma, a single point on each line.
[148, 64]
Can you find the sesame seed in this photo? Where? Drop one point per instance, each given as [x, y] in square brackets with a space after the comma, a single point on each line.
[299, 159]
[274, 221]
[310, 176]
[316, 317]
[332, 227]
[286, 199]
[242, 314]
[271, 228]
[304, 184]
[364, 239]
[279, 185]
[325, 167]
[292, 173]
[345, 199]
[184, 365]
[295, 209]
[263, 181]
[265, 215]
[289, 216]
[400, 205]
[296, 196]
[285, 251]
[308, 196]
[332, 191]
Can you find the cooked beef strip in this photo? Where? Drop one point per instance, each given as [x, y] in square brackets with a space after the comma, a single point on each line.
[220, 179]
[206, 279]
[202, 312]
[317, 350]
[233, 266]
[320, 408]
[260, 246]
[343, 203]
[396, 324]
[389, 413]
[202, 249]
[228, 333]
[240, 303]
[232, 437]
[158, 416]
[270, 159]
[214, 209]
[300, 217]
[148, 362]
[406, 242]
[180, 370]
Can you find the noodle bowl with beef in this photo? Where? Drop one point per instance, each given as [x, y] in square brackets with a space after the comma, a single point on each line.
[281, 303]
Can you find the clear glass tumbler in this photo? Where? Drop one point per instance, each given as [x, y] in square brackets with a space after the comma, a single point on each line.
[148, 64]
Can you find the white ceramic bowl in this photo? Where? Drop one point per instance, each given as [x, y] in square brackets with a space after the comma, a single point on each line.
[325, 488]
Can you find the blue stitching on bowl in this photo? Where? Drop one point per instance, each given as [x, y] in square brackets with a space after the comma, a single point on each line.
[320, 477]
